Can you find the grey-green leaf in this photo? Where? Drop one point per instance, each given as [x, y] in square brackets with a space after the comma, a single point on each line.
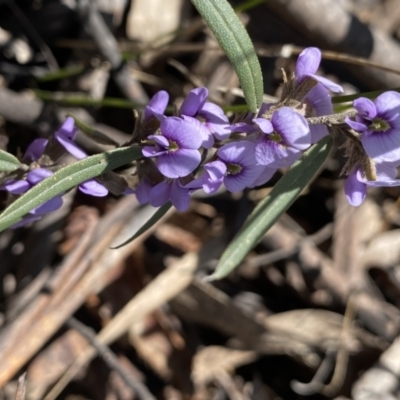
[65, 179]
[151, 221]
[272, 207]
[8, 162]
[236, 43]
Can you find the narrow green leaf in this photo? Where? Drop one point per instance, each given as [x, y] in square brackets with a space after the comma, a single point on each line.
[236, 43]
[160, 212]
[272, 207]
[8, 162]
[65, 179]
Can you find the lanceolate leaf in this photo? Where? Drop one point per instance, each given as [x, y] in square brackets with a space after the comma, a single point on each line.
[65, 179]
[272, 207]
[235, 41]
[160, 212]
[8, 162]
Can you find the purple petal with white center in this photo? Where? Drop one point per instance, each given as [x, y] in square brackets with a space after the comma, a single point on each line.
[182, 132]
[264, 125]
[49, 206]
[93, 188]
[194, 102]
[328, 84]
[357, 126]
[275, 155]
[264, 177]
[382, 146]
[355, 190]
[179, 163]
[388, 105]
[203, 131]
[70, 146]
[292, 127]
[36, 149]
[160, 140]
[37, 175]
[157, 105]
[159, 194]
[179, 196]
[143, 191]
[365, 108]
[16, 187]
[307, 62]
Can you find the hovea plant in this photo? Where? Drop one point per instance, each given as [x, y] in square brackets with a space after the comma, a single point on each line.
[198, 148]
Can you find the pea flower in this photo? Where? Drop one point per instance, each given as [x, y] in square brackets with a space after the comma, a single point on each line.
[356, 184]
[379, 124]
[282, 139]
[176, 148]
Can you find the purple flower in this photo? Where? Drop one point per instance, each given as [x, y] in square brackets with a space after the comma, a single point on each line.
[379, 124]
[355, 187]
[282, 138]
[170, 190]
[307, 65]
[157, 105]
[66, 136]
[215, 121]
[176, 148]
[36, 149]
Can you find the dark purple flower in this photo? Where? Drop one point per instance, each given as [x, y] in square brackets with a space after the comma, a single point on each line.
[176, 148]
[283, 138]
[307, 65]
[355, 187]
[379, 124]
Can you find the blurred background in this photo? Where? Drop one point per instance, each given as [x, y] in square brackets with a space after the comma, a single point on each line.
[312, 312]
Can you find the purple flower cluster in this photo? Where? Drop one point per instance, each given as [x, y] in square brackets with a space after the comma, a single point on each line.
[377, 124]
[65, 136]
[199, 149]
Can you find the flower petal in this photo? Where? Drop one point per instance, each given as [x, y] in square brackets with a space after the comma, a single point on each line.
[241, 153]
[328, 84]
[365, 107]
[36, 149]
[382, 146]
[385, 176]
[355, 190]
[292, 127]
[70, 146]
[49, 206]
[194, 102]
[143, 191]
[93, 188]
[68, 129]
[160, 140]
[179, 196]
[264, 125]
[16, 186]
[37, 175]
[266, 174]
[307, 62]
[182, 131]
[319, 101]
[157, 105]
[159, 194]
[179, 163]
[357, 126]
[388, 105]
[203, 131]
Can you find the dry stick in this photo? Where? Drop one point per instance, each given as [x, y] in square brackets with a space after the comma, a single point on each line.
[160, 290]
[110, 359]
[108, 46]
